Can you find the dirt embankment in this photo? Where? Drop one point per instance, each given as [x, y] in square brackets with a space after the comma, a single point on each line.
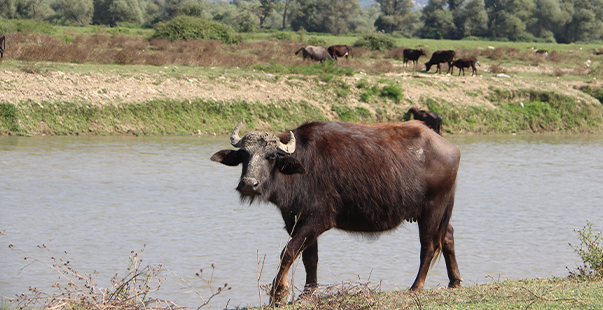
[113, 89]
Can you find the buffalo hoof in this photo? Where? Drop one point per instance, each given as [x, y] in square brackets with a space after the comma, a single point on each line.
[455, 284]
[279, 297]
[308, 292]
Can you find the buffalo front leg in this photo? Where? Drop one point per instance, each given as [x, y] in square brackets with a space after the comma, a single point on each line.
[310, 259]
[454, 275]
[299, 242]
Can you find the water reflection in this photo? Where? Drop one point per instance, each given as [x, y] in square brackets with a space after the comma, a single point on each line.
[98, 198]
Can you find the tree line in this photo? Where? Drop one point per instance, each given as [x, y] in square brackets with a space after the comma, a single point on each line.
[562, 21]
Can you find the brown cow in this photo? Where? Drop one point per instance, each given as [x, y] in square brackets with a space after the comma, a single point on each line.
[2, 43]
[359, 178]
[440, 57]
[319, 53]
[431, 119]
[463, 63]
[412, 55]
[340, 51]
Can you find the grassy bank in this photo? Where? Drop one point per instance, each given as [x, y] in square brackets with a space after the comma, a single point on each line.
[524, 111]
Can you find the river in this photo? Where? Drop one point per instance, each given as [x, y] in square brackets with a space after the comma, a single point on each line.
[94, 200]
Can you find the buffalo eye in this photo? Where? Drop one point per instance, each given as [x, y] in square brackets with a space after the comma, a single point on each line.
[271, 157]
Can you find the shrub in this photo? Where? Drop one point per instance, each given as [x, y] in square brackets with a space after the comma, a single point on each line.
[316, 41]
[187, 27]
[392, 92]
[23, 25]
[590, 251]
[283, 35]
[375, 42]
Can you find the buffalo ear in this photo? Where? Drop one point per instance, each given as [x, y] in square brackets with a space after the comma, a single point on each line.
[290, 165]
[227, 157]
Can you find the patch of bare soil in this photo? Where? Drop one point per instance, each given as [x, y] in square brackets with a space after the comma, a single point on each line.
[104, 89]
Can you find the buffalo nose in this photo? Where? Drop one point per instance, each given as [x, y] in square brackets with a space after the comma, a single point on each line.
[247, 185]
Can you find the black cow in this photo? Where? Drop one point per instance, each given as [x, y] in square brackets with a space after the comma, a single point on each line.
[340, 51]
[463, 63]
[412, 55]
[542, 52]
[358, 178]
[319, 53]
[440, 57]
[2, 43]
[431, 119]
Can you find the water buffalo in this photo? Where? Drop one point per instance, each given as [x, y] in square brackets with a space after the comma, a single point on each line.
[440, 57]
[431, 119]
[340, 51]
[542, 52]
[358, 178]
[319, 53]
[2, 43]
[463, 63]
[412, 55]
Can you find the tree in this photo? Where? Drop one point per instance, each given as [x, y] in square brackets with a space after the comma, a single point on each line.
[336, 15]
[7, 8]
[79, 11]
[111, 12]
[266, 9]
[394, 14]
[508, 18]
[475, 19]
[438, 21]
[548, 18]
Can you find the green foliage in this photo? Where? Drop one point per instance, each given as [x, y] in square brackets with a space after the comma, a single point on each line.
[186, 28]
[35, 26]
[350, 114]
[316, 41]
[8, 118]
[282, 35]
[392, 92]
[376, 42]
[590, 251]
[526, 110]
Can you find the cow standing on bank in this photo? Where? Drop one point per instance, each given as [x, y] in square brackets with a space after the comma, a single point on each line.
[431, 119]
[358, 178]
[318, 53]
[340, 51]
[463, 63]
[412, 55]
[2, 43]
[440, 57]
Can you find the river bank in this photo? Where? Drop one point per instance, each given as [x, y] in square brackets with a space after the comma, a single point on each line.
[70, 99]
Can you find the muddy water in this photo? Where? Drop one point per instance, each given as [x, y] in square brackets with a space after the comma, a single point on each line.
[99, 198]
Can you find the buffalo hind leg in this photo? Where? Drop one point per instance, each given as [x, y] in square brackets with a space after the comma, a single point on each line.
[454, 275]
[301, 239]
[429, 239]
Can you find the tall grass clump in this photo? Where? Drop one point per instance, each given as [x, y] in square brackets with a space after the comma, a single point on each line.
[590, 251]
[192, 28]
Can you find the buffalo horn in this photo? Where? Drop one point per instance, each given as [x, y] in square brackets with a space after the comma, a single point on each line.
[235, 140]
[287, 148]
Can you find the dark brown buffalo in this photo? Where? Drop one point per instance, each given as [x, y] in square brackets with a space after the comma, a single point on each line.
[358, 178]
[318, 53]
[463, 63]
[440, 57]
[542, 52]
[431, 119]
[2, 43]
[412, 55]
[340, 51]
[598, 53]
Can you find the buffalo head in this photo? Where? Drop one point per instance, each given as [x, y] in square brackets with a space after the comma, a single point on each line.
[262, 154]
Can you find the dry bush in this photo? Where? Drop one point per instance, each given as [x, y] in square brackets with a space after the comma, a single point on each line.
[382, 66]
[349, 295]
[98, 41]
[580, 70]
[126, 57]
[464, 53]
[396, 53]
[75, 290]
[555, 57]
[497, 69]
[160, 44]
[499, 52]
[558, 72]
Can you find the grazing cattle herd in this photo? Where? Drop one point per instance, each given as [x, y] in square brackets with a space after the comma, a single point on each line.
[365, 179]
